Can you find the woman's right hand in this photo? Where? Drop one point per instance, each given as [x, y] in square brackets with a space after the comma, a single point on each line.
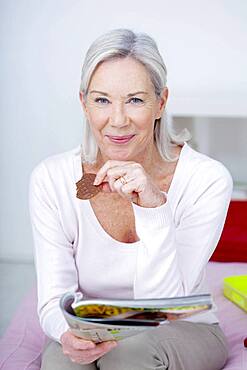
[84, 351]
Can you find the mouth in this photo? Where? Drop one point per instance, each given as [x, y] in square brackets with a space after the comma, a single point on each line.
[120, 139]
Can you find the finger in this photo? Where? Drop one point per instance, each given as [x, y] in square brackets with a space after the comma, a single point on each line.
[117, 176]
[136, 186]
[119, 171]
[81, 344]
[128, 191]
[116, 183]
[101, 174]
[132, 187]
[130, 182]
[102, 347]
[118, 186]
[88, 360]
[111, 178]
[90, 355]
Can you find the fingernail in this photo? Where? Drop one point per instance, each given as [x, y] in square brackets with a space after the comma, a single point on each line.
[91, 345]
[96, 181]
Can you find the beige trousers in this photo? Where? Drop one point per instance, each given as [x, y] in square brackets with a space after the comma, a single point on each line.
[179, 345]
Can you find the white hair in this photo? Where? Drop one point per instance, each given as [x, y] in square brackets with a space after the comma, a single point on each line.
[121, 43]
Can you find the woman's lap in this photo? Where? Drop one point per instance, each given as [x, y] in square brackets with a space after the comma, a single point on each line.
[179, 345]
[53, 358]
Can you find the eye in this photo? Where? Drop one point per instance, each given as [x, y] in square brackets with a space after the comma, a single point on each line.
[103, 101]
[135, 101]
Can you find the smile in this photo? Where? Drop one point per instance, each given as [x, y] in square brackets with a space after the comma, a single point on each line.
[120, 139]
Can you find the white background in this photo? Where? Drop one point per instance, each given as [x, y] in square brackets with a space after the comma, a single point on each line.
[42, 48]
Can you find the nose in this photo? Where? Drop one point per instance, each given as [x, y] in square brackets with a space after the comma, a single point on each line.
[118, 116]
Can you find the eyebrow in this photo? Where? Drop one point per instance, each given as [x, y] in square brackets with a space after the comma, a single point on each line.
[104, 93]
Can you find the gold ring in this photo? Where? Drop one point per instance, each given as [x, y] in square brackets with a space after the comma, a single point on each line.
[123, 180]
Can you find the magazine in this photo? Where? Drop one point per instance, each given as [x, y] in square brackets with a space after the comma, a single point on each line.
[102, 320]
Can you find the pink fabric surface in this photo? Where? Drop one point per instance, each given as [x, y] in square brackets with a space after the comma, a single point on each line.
[233, 320]
[22, 344]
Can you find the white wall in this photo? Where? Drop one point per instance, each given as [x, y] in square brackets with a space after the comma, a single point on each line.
[42, 48]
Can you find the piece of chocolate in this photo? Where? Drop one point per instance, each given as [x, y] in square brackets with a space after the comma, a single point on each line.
[85, 187]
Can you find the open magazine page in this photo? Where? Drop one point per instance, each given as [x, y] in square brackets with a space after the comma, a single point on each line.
[102, 332]
[101, 320]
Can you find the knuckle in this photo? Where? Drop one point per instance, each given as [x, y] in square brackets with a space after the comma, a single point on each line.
[109, 163]
[138, 171]
[76, 345]
[126, 190]
[137, 166]
[110, 172]
[144, 179]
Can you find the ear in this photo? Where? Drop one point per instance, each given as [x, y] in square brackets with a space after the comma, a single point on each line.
[82, 98]
[162, 102]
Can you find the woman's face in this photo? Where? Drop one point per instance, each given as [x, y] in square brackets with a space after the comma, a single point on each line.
[121, 107]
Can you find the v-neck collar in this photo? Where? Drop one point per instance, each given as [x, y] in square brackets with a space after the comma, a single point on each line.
[100, 230]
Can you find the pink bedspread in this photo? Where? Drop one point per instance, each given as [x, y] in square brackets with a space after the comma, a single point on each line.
[233, 320]
[21, 346]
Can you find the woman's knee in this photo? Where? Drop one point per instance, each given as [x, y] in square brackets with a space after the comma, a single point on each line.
[53, 358]
[136, 353]
[181, 345]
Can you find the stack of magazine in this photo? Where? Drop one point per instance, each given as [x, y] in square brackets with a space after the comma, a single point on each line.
[102, 320]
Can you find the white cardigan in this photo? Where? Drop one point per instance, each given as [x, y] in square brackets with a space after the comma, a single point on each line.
[73, 252]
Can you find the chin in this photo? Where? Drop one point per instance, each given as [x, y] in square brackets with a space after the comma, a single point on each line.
[119, 155]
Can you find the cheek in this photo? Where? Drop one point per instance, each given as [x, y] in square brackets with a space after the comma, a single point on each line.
[97, 119]
[143, 119]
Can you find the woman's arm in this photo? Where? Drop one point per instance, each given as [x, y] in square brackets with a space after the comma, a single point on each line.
[56, 270]
[173, 254]
[53, 253]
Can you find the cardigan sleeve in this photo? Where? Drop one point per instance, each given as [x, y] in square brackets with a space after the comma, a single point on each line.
[172, 255]
[53, 253]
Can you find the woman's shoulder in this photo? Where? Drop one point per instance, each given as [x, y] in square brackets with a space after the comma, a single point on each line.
[56, 165]
[201, 164]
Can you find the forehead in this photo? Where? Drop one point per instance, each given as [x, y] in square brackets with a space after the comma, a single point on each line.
[121, 75]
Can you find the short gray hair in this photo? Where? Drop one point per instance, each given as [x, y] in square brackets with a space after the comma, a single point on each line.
[121, 43]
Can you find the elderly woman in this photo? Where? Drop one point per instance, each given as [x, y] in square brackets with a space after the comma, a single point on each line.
[147, 233]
